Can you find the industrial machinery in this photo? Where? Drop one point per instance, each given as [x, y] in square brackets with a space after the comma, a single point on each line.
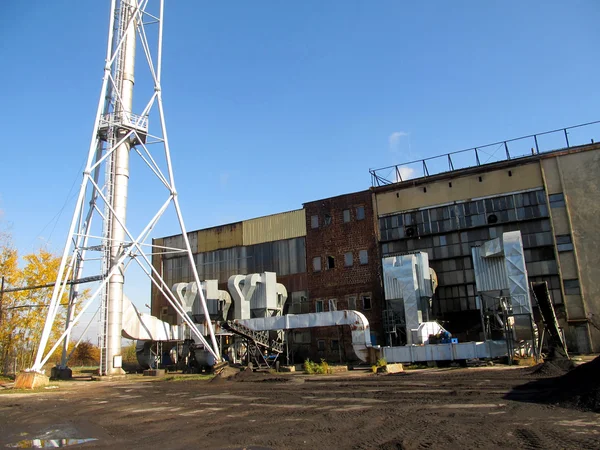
[250, 327]
[504, 294]
[409, 284]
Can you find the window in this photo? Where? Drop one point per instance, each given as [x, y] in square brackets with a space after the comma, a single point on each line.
[321, 345]
[351, 303]
[563, 243]
[363, 256]
[332, 304]
[571, 287]
[366, 302]
[330, 262]
[314, 221]
[556, 200]
[346, 215]
[335, 345]
[319, 306]
[348, 260]
[360, 213]
[327, 220]
[301, 337]
[317, 264]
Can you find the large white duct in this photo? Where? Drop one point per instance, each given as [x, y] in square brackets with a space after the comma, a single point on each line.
[359, 325]
[144, 327]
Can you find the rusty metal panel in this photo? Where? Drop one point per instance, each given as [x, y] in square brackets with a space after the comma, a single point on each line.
[287, 225]
[225, 236]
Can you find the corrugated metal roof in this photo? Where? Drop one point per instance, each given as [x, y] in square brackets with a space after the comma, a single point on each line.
[287, 225]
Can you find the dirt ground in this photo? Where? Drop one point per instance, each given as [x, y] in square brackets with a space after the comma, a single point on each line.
[437, 408]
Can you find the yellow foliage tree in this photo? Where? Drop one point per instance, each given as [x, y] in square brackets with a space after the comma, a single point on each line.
[23, 312]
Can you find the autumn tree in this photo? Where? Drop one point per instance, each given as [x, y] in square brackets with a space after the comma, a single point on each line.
[23, 313]
[85, 354]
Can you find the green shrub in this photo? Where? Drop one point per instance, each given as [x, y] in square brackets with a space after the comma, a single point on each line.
[381, 362]
[313, 368]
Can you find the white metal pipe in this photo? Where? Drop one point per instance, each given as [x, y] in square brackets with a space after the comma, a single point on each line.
[120, 184]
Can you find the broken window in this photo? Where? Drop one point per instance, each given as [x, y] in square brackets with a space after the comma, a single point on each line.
[330, 262]
[366, 302]
[327, 220]
[332, 304]
[348, 259]
[346, 214]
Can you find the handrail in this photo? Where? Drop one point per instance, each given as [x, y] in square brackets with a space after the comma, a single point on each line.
[379, 179]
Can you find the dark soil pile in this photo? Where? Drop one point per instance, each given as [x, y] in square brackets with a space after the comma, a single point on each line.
[578, 388]
[249, 375]
[555, 368]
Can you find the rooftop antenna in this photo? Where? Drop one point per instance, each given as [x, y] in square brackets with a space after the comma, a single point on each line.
[119, 133]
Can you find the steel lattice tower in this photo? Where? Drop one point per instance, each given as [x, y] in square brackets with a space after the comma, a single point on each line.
[119, 133]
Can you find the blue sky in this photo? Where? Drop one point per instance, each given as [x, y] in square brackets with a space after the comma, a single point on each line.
[271, 104]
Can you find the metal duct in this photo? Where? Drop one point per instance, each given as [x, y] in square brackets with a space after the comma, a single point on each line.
[144, 327]
[359, 325]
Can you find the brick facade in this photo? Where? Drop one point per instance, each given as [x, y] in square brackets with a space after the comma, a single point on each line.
[341, 231]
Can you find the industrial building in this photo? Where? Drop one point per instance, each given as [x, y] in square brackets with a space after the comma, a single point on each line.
[344, 268]
[553, 198]
[329, 254]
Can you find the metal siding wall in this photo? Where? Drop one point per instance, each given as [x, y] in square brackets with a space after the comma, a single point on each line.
[225, 236]
[490, 273]
[276, 227]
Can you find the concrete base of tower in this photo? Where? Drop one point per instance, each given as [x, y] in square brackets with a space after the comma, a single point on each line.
[31, 380]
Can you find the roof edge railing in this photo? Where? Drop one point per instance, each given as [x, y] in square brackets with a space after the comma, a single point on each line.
[425, 167]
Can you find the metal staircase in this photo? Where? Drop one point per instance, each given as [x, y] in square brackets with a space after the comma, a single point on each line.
[258, 343]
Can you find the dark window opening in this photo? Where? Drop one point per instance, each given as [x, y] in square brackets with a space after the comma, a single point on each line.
[330, 262]
[424, 189]
[321, 345]
[480, 179]
[366, 302]
[450, 184]
[510, 173]
[327, 220]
